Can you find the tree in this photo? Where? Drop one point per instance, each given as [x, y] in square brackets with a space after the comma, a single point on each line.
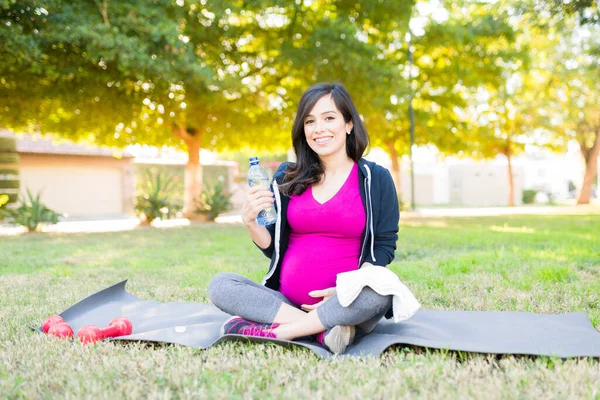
[572, 69]
[501, 124]
[453, 55]
[505, 116]
[186, 74]
[575, 91]
[87, 70]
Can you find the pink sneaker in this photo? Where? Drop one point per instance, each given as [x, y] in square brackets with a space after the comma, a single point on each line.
[240, 326]
[337, 338]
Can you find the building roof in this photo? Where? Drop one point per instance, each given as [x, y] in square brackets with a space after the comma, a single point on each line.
[39, 144]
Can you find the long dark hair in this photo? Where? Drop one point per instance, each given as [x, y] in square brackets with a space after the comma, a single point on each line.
[308, 168]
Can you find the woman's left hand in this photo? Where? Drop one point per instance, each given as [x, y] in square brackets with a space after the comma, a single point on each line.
[325, 294]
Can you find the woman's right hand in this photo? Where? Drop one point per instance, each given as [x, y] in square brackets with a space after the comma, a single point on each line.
[258, 198]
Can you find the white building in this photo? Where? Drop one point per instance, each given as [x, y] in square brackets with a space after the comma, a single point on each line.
[465, 182]
[473, 184]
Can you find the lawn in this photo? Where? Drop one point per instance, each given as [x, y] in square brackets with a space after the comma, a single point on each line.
[543, 264]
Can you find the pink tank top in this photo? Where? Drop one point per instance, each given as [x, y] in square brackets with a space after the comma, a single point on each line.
[325, 240]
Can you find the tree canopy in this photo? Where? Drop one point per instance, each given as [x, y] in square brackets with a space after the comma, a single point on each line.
[226, 75]
[218, 75]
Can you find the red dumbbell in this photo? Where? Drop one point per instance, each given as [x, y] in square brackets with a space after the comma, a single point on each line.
[117, 327]
[61, 330]
[56, 326]
[51, 320]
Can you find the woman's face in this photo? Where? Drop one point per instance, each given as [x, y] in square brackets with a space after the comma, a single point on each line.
[325, 129]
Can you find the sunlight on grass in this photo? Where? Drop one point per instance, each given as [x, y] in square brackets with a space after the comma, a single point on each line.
[433, 223]
[550, 254]
[114, 225]
[59, 272]
[555, 274]
[512, 229]
[170, 223]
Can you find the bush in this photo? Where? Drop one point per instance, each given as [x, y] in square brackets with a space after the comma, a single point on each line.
[214, 202]
[9, 172]
[156, 198]
[9, 158]
[403, 205]
[529, 196]
[8, 144]
[174, 173]
[12, 197]
[10, 184]
[3, 200]
[32, 212]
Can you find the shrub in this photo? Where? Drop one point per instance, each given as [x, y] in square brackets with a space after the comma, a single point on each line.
[8, 144]
[403, 205]
[214, 202]
[174, 173]
[9, 172]
[9, 158]
[156, 198]
[529, 196]
[32, 212]
[10, 184]
[3, 200]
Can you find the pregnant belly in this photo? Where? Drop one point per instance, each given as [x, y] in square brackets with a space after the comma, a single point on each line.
[296, 289]
[308, 267]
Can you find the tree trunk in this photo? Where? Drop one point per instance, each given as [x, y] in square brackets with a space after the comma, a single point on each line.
[104, 11]
[511, 183]
[395, 167]
[591, 167]
[193, 169]
[193, 177]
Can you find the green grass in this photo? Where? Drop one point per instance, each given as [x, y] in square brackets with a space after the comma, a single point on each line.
[544, 264]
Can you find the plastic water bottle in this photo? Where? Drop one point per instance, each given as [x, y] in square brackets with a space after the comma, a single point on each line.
[258, 176]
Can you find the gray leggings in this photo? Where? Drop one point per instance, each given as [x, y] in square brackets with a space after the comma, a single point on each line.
[238, 295]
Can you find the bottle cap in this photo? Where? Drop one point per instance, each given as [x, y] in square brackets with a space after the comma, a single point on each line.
[253, 160]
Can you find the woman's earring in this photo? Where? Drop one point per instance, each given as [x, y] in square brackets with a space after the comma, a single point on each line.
[348, 133]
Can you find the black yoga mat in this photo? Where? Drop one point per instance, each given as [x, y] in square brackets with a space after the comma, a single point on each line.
[493, 332]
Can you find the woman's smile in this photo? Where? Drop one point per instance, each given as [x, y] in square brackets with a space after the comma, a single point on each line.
[323, 140]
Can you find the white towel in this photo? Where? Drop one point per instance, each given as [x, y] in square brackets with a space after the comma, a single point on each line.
[383, 281]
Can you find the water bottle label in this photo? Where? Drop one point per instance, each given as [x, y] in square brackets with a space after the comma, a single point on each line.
[266, 217]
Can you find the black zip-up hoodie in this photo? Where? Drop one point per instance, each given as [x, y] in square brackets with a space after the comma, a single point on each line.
[379, 238]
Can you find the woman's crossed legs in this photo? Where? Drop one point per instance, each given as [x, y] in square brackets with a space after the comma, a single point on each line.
[238, 295]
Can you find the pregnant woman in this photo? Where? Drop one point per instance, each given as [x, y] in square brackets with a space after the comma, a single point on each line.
[337, 212]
